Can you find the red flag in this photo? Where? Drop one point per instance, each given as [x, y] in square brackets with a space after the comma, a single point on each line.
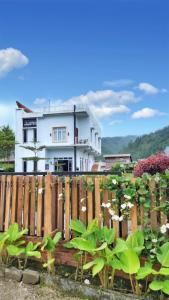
[25, 109]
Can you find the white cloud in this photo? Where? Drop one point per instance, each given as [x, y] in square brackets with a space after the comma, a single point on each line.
[11, 59]
[146, 113]
[148, 88]
[116, 122]
[101, 96]
[106, 111]
[118, 83]
[40, 101]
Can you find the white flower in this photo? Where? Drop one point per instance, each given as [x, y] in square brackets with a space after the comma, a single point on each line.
[154, 241]
[110, 277]
[81, 200]
[108, 205]
[153, 250]
[167, 225]
[40, 191]
[123, 206]
[115, 218]
[84, 208]
[86, 281]
[60, 195]
[103, 204]
[111, 212]
[114, 181]
[163, 229]
[130, 205]
[127, 197]
[113, 200]
[121, 218]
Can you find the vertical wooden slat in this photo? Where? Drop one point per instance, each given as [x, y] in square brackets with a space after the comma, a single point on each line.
[90, 207]
[26, 203]
[106, 213]
[54, 203]
[98, 212]
[74, 199]
[153, 213]
[32, 205]
[82, 201]
[60, 213]
[134, 218]
[67, 208]
[19, 202]
[8, 203]
[14, 199]
[163, 199]
[39, 206]
[2, 202]
[48, 205]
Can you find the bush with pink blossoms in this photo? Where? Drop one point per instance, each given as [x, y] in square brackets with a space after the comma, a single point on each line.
[158, 163]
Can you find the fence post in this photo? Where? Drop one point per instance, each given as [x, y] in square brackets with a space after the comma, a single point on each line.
[48, 205]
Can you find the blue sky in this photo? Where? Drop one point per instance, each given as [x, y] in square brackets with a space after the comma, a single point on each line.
[110, 54]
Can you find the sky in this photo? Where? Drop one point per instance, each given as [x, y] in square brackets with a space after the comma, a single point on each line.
[110, 54]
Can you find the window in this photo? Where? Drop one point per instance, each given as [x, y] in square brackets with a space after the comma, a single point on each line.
[35, 166]
[25, 166]
[35, 135]
[25, 135]
[59, 135]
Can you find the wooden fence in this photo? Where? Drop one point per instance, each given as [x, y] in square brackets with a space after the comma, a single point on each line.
[44, 204]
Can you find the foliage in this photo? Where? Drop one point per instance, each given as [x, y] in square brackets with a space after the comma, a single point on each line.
[49, 245]
[35, 149]
[148, 144]
[158, 163]
[115, 145]
[7, 142]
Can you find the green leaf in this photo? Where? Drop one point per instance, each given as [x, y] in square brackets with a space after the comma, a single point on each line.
[144, 271]
[92, 227]
[49, 263]
[135, 241]
[130, 261]
[163, 256]
[120, 246]
[156, 285]
[89, 265]
[77, 226]
[15, 251]
[57, 237]
[165, 288]
[163, 271]
[108, 235]
[99, 265]
[82, 244]
[36, 254]
[116, 264]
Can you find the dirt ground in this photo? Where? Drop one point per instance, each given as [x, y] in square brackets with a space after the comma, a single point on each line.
[10, 290]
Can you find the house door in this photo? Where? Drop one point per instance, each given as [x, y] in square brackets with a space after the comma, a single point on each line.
[63, 165]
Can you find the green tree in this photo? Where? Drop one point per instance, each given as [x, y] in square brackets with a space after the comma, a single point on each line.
[7, 142]
[35, 149]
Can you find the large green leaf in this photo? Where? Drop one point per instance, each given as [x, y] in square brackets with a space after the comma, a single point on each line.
[77, 226]
[165, 288]
[14, 233]
[120, 246]
[15, 251]
[135, 241]
[82, 244]
[130, 261]
[163, 256]
[116, 264]
[99, 265]
[89, 265]
[156, 285]
[92, 227]
[48, 244]
[144, 271]
[57, 237]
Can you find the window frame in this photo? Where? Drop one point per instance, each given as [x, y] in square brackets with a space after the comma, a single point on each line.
[54, 140]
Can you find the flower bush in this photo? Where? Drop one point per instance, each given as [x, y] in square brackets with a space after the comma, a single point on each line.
[158, 163]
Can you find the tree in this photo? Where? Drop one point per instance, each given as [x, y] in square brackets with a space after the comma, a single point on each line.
[35, 158]
[7, 142]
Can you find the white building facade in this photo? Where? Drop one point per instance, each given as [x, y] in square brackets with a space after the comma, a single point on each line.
[71, 136]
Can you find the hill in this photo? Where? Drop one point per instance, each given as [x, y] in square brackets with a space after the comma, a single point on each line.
[148, 144]
[114, 145]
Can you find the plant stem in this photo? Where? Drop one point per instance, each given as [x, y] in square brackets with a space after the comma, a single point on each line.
[132, 285]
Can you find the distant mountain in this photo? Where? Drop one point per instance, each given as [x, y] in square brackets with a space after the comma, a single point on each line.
[148, 144]
[114, 145]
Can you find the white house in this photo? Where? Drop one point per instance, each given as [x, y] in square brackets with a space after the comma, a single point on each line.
[71, 136]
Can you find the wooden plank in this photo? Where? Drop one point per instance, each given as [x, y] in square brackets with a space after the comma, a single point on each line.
[134, 218]
[98, 211]
[2, 202]
[90, 207]
[26, 210]
[106, 213]
[32, 205]
[8, 203]
[54, 203]
[39, 206]
[74, 199]
[48, 205]
[67, 208]
[60, 211]
[153, 213]
[163, 199]
[19, 202]
[14, 199]
[82, 201]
